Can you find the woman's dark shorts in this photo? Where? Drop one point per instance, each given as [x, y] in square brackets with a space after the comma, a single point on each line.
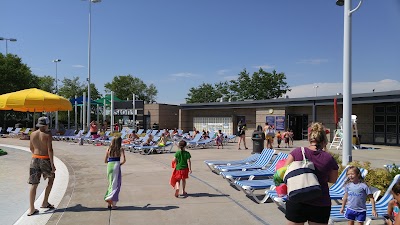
[300, 213]
[39, 167]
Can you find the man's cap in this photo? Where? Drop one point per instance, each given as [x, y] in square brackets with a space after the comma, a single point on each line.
[43, 121]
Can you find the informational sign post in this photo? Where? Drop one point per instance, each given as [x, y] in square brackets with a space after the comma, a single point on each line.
[280, 123]
[270, 120]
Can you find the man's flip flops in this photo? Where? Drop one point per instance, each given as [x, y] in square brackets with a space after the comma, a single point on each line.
[48, 206]
[33, 213]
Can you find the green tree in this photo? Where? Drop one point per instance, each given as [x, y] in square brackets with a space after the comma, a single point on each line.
[71, 87]
[12, 72]
[151, 93]
[94, 93]
[261, 85]
[204, 93]
[125, 86]
[15, 76]
[47, 83]
[241, 87]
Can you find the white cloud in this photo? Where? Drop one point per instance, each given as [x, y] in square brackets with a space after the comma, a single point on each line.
[222, 72]
[183, 75]
[325, 89]
[78, 66]
[312, 61]
[265, 67]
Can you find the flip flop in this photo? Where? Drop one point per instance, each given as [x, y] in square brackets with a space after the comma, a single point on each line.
[48, 206]
[33, 213]
[114, 207]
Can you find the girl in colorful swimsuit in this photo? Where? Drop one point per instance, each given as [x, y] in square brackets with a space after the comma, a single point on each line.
[393, 207]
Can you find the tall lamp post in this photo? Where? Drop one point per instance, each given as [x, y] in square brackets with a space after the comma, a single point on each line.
[347, 98]
[89, 59]
[7, 39]
[56, 61]
[316, 90]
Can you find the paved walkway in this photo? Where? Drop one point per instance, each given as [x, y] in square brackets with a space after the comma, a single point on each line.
[146, 196]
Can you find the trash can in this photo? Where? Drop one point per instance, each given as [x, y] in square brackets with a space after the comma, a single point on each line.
[258, 138]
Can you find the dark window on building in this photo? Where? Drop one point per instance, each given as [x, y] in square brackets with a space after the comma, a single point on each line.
[379, 109]
[379, 128]
[379, 119]
[391, 119]
[391, 109]
[391, 128]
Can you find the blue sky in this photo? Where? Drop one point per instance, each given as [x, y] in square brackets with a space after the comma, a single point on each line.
[179, 44]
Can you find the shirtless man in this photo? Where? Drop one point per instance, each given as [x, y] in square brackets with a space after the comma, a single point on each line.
[269, 139]
[42, 163]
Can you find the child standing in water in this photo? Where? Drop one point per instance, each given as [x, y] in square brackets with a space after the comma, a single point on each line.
[182, 169]
[355, 197]
[113, 160]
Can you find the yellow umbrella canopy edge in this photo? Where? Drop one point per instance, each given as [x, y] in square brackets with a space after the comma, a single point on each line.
[34, 100]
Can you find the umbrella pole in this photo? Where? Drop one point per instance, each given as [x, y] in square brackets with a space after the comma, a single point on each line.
[97, 112]
[33, 125]
[5, 119]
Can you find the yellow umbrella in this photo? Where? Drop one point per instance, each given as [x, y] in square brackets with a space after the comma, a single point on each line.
[34, 100]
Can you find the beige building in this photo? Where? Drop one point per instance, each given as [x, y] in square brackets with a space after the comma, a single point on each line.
[163, 115]
[378, 115]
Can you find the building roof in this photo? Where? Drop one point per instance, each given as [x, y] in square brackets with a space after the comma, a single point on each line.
[363, 98]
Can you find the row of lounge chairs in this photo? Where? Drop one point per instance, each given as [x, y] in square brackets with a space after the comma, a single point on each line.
[255, 173]
[17, 132]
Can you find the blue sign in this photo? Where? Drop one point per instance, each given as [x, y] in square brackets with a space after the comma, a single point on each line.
[270, 120]
[280, 123]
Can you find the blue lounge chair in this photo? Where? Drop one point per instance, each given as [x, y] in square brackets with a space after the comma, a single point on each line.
[232, 176]
[147, 150]
[262, 162]
[213, 163]
[193, 143]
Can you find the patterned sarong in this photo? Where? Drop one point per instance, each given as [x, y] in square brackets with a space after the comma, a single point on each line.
[114, 179]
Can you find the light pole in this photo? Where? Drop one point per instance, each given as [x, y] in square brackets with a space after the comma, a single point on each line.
[56, 61]
[316, 90]
[347, 98]
[7, 39]
[89, 58]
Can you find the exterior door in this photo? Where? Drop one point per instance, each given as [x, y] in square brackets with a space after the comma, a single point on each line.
[298, 124]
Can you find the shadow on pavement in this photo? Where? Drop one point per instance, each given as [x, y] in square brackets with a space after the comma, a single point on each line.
[81, 208]
[206, 195]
